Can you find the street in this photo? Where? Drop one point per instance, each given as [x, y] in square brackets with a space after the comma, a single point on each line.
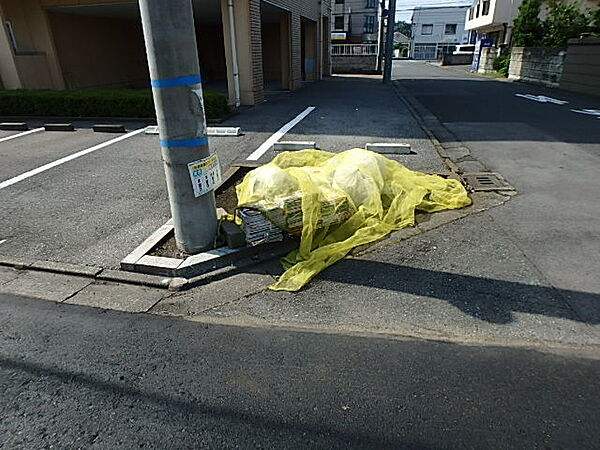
[476, 328]
[550, 153]
[74, 377]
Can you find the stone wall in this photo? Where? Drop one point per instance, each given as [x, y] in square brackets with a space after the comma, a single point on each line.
[486, 60]
[581, 71]
[537, 65]
[354, 64]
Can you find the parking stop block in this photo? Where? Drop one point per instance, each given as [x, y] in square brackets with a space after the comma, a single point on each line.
[288, 146]
[59, 127]
[14, 126]
[224, 131]
[389, 148]
[110, 128]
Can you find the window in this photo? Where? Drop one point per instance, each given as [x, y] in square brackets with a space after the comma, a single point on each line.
[11, 36]
[486, 8]
[370, 3]
[427, 29]
[470, 13]
[450, 29]
[477, 10]
[339, 23]
[369, 24]
[339, 2]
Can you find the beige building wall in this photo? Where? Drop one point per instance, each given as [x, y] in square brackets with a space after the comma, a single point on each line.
[36, 59]
[9, 75]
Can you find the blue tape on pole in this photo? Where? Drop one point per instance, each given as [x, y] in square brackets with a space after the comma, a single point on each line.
[179, 81]
[184, 142]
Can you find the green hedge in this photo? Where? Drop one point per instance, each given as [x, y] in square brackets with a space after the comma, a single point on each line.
[84, 103]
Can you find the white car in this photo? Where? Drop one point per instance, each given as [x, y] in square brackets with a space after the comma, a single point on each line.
[464, 49]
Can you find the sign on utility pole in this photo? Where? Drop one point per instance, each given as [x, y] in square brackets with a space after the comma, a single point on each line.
[192, 172]
[389, 49]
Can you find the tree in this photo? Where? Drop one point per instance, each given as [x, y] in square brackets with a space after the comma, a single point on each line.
[565, 21]
[404, 28]
[528, 30]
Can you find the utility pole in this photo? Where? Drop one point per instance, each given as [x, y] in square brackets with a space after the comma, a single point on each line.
[191, 171]
[389, 50]
[381, 36]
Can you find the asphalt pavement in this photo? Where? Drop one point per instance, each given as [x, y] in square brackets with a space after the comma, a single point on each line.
[94, 210]
[550, 153]
[77, 377]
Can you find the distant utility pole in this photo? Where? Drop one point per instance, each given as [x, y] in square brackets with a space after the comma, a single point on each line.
[389, 50]
[381, 49]
[191, 171]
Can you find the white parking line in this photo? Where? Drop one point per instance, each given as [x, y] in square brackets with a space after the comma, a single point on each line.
[256, 154]
[60, 161]
[2, 241]
[25, 133]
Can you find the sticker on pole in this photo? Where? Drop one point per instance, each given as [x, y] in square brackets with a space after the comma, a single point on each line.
[205, 175]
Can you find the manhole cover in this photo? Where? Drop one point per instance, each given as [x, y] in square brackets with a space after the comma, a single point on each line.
[487, 181]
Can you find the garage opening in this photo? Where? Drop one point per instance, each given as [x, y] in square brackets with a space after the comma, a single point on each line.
[276, 47]
[101, 46]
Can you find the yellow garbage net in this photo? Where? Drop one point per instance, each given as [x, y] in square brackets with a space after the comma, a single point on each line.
[340, 201]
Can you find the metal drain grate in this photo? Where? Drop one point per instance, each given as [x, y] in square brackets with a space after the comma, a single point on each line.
[487, 181]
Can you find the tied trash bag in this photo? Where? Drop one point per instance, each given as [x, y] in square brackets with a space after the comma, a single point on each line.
[339, 201]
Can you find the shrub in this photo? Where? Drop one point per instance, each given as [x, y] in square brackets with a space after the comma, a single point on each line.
[92, 103]
[528, 30]
[595, 21]
[502, 63]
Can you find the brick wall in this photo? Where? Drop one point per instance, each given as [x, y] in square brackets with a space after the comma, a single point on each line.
[250, 45]
[256, 50]
[306, 8]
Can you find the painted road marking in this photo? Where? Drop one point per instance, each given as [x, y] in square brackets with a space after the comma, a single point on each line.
[590, 112]
[3, 241]
[25, 133]
[256, 154]
[542, 99]
[60, 161]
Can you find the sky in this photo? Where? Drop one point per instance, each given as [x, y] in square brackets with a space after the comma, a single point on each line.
[404, 7]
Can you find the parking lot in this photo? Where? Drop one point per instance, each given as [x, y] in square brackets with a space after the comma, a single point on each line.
[85, 197]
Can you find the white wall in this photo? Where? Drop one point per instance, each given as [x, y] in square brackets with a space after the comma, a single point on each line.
[501, 12]
[439, 17]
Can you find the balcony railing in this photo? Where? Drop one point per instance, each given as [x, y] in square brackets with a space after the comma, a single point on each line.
[354, 49]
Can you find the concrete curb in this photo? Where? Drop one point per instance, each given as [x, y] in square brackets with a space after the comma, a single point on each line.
[587, 351]
[92, 272]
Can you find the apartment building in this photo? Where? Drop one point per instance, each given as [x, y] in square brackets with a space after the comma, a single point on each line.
[494, 18]
[84, 44]
[356, 21]
[437, 30]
